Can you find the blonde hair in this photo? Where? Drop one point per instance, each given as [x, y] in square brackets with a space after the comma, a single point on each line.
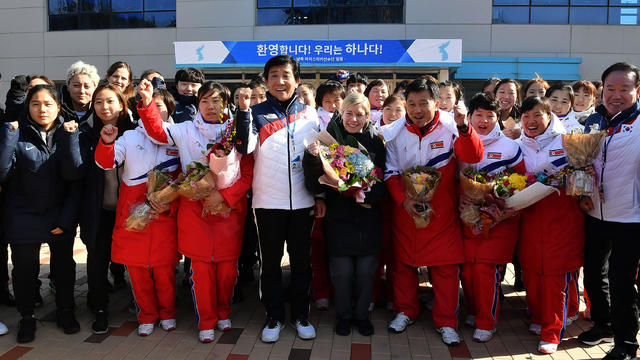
[356, 99]
[80, 68]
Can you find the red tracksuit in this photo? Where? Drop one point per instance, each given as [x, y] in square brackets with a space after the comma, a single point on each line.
[484, 255]
[320, 284]
[439, 245]
[150, 255]
[551, 245]
[385, 258]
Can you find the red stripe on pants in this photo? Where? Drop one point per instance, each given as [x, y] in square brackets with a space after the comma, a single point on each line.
[481, 284]
[154, 290]
[445, 280]
[547, 297]
[212, 289]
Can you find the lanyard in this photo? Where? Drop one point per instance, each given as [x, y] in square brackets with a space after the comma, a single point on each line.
[285, 121]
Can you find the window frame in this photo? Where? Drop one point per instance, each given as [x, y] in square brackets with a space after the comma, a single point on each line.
[607, 5]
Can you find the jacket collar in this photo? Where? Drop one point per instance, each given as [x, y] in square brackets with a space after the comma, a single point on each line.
[212, 131]
[623, 116]
[413, 128]
[493, 136]
[544, 139]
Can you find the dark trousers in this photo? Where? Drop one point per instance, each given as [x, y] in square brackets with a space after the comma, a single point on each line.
[26, 267]
[98, 258]
[248, 256]
[613, 249]
[274, 228]
[4, 266]
[353, 278]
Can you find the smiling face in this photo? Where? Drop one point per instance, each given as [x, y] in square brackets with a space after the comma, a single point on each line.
[120, 78]
[43, 109]
[258, 95]
[447, 98]
[332, 101]
[560, 102]
[393, 112]
[583, 100]
[619, 91]
[536, 89]
[535, 121]
[107, 106]
[421, 107]
[483, 120]
[378, 95]
[188, 88]
[507, 95]
[356, 88]
[305, 96]
[81, 89]
[211, 106]
[281, 82]
[355, 117]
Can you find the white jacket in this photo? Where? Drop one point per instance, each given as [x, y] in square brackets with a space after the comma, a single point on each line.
[545, 151]
[571, 124]
[324, 117]
[500, 153]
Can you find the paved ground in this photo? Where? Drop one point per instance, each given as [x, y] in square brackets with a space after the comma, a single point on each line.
[420, 341]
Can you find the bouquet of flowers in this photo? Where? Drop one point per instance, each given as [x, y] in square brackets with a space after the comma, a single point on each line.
[347, 169]
[197, 182]
[161, 189]
[420, 184]
[581, 150]
[520, 191]
[475, 186]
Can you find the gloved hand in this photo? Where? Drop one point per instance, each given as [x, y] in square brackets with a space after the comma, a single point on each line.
[16, 97]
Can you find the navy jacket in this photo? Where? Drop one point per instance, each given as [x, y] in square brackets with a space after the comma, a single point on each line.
[186, 107]
[38, 181]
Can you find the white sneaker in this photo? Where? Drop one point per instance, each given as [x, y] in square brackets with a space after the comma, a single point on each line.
[168, 325]
[372, 306]
[449, 336]
[572, 319]
[547, 347]
[322, 304]
[271, 331]
[399, 323]
[480, 335]
[3, 329]
[145, 329]
[224, 325]
[470, 320]
[206, 336]
[305, 329]
[535, 329]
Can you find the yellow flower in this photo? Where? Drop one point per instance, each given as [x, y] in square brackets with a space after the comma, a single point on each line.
[517, 181]
[337, 171]
[348, 150]
[349, 166]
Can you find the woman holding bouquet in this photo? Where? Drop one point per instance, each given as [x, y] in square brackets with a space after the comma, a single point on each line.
[485, 252]
[151, 254]
[551, 242]
[352, 229]
[212, 239]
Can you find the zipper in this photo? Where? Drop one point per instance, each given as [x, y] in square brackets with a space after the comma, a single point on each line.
[286, 119]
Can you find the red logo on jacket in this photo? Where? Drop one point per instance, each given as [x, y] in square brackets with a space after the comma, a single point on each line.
[437, 145]
[171, 152]
[557, 152]
[494, 155]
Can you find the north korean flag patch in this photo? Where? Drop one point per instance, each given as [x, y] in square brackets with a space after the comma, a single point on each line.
[437, 145]
[557, 152]
[494, 155]
[171, 152]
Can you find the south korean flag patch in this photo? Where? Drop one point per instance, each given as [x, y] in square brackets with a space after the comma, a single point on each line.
[626, 129]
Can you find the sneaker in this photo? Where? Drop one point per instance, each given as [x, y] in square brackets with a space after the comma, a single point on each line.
[481, 336]
[168, 325]
[399, 323]
[271, 331]
[365, 327]
[206, 336]
[547, 347]
[3, 329]
[343, 327]
[305, 329]
[571, 319]
[27, 329]
[145, 329]
[449, 336]
[372, 306]
[535, 329]
[66, 320]
[224, 325]
[101, 324]
[470, 320]
[596, 335]
[322, 304]
[618, 353]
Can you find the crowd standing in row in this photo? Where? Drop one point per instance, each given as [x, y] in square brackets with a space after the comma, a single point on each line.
[82, 155]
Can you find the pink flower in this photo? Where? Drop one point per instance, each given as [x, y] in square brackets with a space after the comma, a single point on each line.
[340, 151]
[337, 164]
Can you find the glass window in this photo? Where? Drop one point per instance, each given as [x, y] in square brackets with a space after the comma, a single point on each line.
[273, 3]
[364, 15]
[310, 3]
[624, 2]
[276, 12]
[549, 15]
[588, 15]
[510, 15]
[126, 5]
[385, 2]
[127, 20]
[161, 19]
[63, 22]
[57, 7]
[94, 21]
[623, 15]
[154, 5]
[510, 2]
[588, 2]
[549, 2]
[347, 2]
[94, 5]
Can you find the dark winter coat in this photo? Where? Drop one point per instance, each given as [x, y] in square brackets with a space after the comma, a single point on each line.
[186, 107]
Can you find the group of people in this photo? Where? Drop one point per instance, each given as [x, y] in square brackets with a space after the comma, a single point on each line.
[82, 155]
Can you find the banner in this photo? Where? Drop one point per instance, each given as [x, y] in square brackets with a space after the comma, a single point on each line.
[427, 52]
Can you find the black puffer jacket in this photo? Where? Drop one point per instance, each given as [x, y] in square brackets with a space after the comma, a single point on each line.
[186, 107]
[349, 228]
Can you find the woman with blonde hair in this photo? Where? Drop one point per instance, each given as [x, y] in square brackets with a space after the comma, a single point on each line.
[82, 81]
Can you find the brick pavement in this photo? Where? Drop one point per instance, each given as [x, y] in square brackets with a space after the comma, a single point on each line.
[420, 341]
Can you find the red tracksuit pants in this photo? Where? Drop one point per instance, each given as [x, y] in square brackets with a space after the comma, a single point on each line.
[320, 284]
[154, 291]
[445, 280]
[481, 284]
[212, 290]
[549, 299]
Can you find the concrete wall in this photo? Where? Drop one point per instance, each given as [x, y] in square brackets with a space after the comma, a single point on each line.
[26, 46]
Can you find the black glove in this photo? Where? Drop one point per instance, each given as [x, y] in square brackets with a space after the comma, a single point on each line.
[20, 83]
[16, 97]
[158, 83]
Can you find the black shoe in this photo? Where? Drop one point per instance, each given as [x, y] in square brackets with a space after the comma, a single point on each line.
[6, 298]
[343, 327]
[27, 329]
[596, 335]
[618, 353]
[101, 324]
[66, 320]
[365, 327]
